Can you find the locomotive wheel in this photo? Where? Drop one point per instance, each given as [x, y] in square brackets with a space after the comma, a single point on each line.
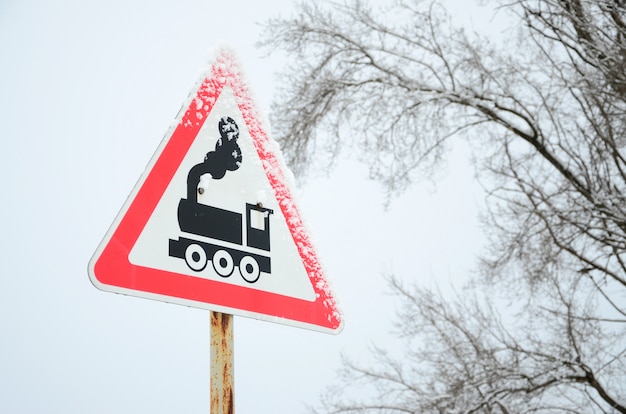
[223, 263]
[249, 269]
[195, 257]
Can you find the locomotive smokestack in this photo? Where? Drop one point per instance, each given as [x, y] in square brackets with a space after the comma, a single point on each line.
[226, 157]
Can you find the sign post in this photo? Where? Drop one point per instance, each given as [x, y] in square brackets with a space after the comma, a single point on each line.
[222, 364]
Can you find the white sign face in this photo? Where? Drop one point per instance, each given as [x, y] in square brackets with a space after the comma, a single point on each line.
[212, 223]
[248, 184]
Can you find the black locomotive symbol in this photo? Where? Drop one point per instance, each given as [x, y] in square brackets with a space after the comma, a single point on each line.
[222, 228]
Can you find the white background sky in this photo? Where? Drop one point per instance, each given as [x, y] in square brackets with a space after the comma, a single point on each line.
[87, 91]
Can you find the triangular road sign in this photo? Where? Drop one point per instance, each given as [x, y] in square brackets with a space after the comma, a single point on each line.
[212, 224]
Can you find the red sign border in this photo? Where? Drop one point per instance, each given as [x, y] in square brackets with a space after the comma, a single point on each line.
[111, 270]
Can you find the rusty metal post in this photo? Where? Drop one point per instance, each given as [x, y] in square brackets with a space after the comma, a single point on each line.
[222, 367]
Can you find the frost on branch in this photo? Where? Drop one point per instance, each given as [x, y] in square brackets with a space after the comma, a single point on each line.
[543, 106]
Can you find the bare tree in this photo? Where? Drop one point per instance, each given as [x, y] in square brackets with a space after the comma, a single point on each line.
[545, 111]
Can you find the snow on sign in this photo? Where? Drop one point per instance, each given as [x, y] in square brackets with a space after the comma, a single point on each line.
[212, 224]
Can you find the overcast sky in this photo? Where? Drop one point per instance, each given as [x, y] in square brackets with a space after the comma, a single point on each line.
[87, 91]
